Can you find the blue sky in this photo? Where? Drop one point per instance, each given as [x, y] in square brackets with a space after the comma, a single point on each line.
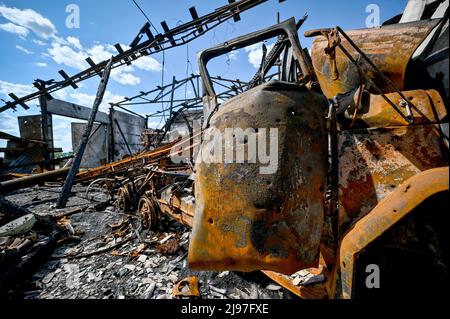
[35, 43]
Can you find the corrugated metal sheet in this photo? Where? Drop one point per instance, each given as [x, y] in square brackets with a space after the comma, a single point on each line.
[33, 155]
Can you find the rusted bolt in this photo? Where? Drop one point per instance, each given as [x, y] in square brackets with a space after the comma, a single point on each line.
[403, 103]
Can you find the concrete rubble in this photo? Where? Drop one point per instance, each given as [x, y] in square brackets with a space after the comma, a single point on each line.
[136, 265]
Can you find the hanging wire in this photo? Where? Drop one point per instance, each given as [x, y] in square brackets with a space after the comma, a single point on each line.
[162, 82]
[228, 57]
[145, 15]
[188, 63]
[163, 62]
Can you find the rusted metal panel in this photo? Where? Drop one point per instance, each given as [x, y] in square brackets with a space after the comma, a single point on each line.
[374, 162]
[181, 208]
[317, 291]
[427, 107]
[187, 287]
[96, 152]
[389, 47]
[34, 154]
[132, 127]
[385, 215]
[30, 127]
[245, 220]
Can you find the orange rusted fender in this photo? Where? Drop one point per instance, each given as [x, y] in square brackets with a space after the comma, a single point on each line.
[248, 219]
[386, 214]
[389, 47]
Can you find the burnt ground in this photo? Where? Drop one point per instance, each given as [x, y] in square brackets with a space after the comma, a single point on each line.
[112, 259]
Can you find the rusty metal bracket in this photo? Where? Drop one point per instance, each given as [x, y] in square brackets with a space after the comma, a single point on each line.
[187, 288]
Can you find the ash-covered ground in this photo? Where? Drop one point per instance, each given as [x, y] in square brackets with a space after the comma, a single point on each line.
[109, 257]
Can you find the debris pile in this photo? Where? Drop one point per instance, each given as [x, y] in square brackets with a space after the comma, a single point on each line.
[25, 241]
[105, 254]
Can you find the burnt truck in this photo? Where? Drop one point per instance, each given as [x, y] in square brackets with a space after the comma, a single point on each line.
[358, 194]
[362, 184]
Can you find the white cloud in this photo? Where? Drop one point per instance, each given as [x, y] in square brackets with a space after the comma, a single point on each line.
[255, 54]
[100, 52]
[39, 42]
[41, 64]
[66, 94]
[155, 124]
[75, 58]
[62, 132]
[233, 55]
[75, 42]
[9, 124]
[123, 76]
[20, 48]
[69, 51]
[14, 28]
[62, 123]
[30, 20]
[61, 94]
[148, 63]
[17, 89]
[67, 56]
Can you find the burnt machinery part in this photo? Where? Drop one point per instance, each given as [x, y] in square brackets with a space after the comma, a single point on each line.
[148, 211]
[248, 218]
[124, 199]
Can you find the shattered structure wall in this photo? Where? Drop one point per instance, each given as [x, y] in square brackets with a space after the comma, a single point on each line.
[96, 152]
[131, 126]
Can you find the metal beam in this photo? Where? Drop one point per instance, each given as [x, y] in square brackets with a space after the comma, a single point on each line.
[29, 181]
[75, 111]
[64, 196]
[174, 37]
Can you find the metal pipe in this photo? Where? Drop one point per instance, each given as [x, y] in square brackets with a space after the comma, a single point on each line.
[29, 181]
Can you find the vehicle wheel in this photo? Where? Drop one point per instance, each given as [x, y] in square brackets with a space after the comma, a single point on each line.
[124, 200]
[149, 212]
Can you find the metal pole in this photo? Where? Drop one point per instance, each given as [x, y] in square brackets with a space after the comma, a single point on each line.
[111, 148]
[174, 81]
[64, 196]
[29, 181]
[46, 129]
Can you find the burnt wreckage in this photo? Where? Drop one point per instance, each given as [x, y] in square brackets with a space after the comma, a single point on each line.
[362, 162]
